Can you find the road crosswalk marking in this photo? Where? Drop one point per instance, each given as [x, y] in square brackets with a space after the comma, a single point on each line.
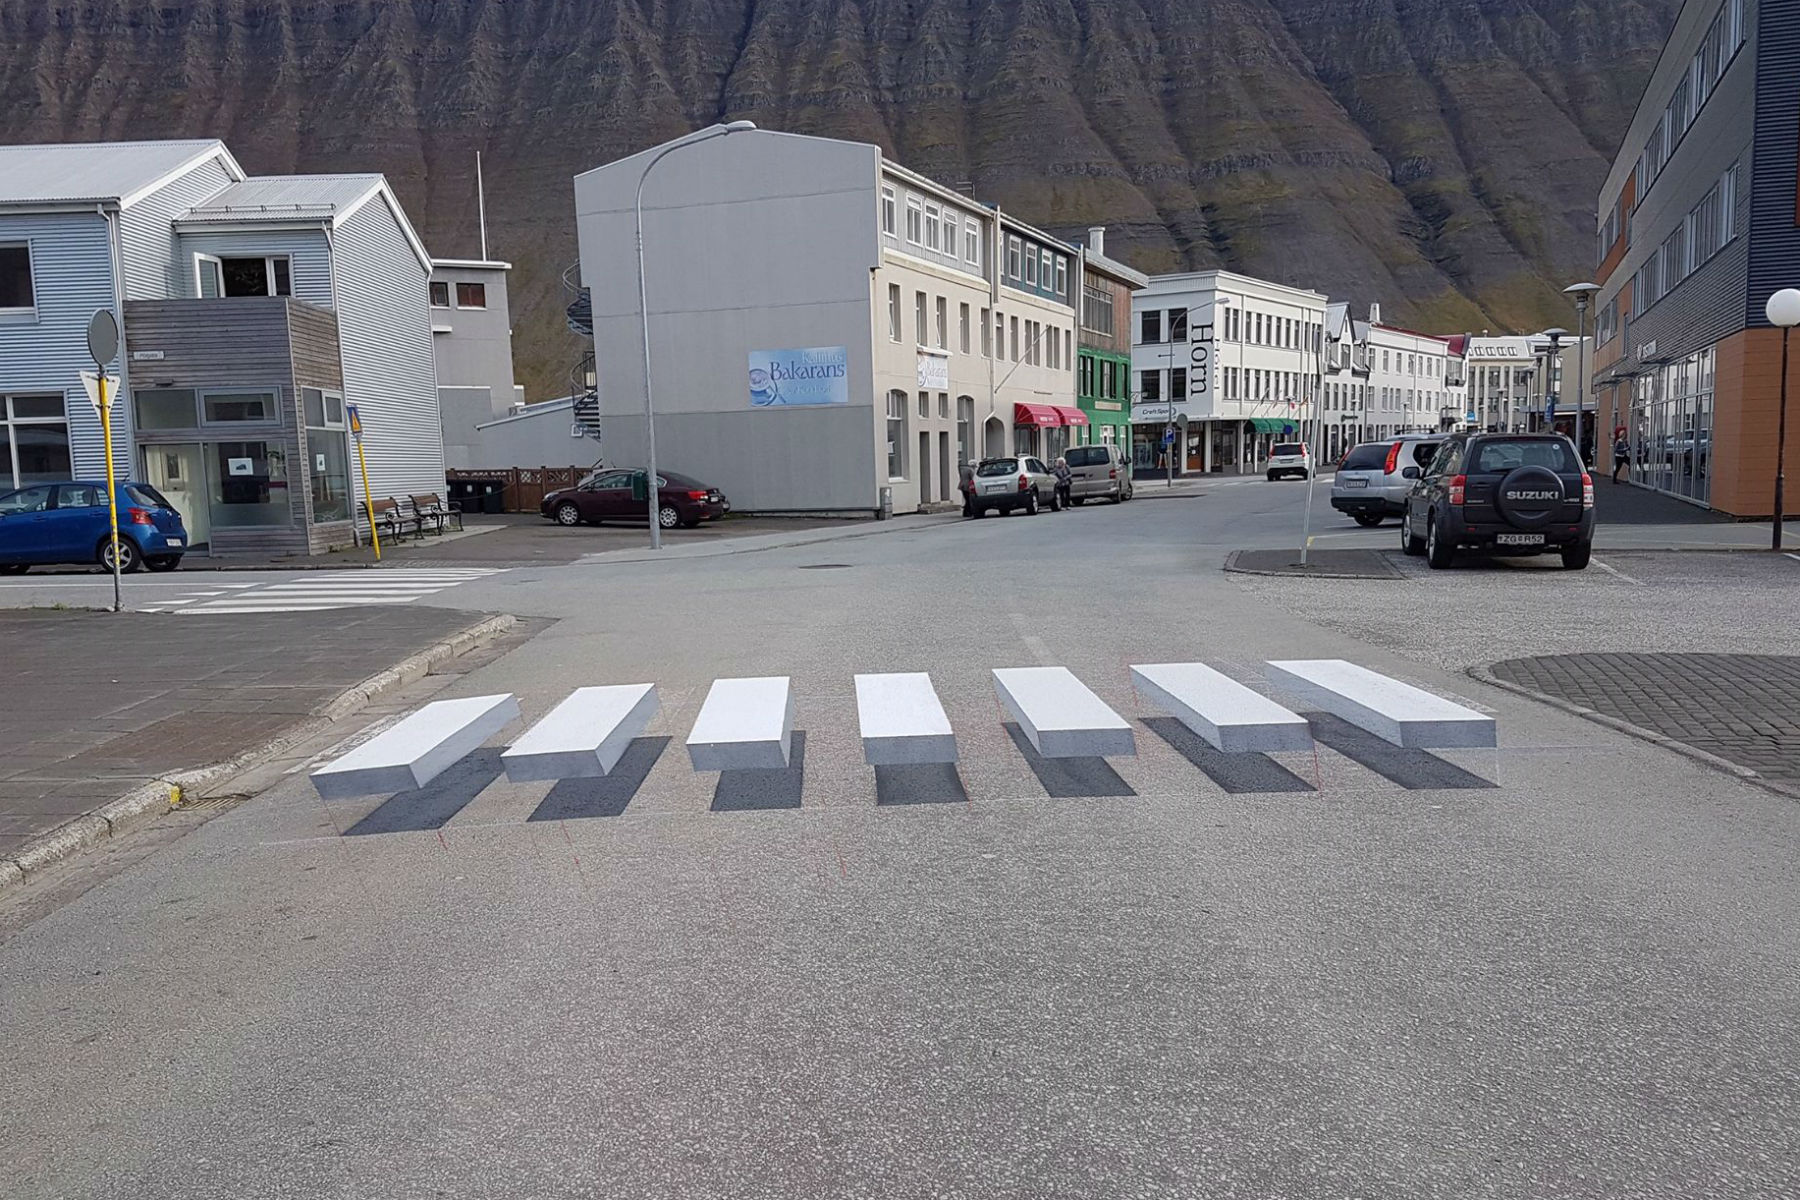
[324, 590]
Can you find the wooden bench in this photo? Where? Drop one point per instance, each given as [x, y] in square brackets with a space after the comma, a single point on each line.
[1394, 711]
[1220, 709]
[583, 737]
[430, 509]
[418, 749]
[391, 520]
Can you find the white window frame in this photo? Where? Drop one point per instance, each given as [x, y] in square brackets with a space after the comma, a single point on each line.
[1062, 276]
[27, 310]
[942, 327]
[934, 222]
[1014, 248]
[896, 326]
[915, 221]
[457, 300]
[1031, 267]
[962, 327]
[272, 411]
[1046, 269]
[218, 269]
[889, 211]
[972, 243]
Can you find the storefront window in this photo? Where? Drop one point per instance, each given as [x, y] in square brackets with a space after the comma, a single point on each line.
[249, 485]
[34, 440]
[1670, 430]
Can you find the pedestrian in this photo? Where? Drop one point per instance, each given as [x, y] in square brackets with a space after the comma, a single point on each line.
[1621, 456]
[1064, 479]
[966, 485]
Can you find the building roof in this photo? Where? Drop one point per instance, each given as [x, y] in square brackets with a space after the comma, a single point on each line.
[299, 199]
[100, 172]
[471, 264]
[1130, 276]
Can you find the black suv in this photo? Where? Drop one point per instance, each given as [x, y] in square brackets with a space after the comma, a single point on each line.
[1501, 493]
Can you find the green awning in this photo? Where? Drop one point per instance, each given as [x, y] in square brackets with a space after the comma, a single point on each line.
[1269, 424]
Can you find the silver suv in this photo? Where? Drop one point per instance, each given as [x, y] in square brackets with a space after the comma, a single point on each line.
[1008, 483]
[1099, 472]
[1374, 479]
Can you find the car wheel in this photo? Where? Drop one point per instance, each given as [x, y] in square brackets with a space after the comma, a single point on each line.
[667, 517]
[163, 562]
[130, 558]
[1410, 546]
[1031, 503]
[1575, 558]
[14, 568]
[1367, 520]
[1273, 477]
[568, 514]
[1438, 554]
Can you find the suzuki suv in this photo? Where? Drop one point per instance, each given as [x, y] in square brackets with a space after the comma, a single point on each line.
[1502, 493]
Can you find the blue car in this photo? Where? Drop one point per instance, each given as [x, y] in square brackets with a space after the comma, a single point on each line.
[69, 523]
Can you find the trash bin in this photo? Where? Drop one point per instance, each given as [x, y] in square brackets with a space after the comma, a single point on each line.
[887, 504]
[493, 495]
[460, 493]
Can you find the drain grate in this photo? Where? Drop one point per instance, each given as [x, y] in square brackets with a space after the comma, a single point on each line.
[212, 803]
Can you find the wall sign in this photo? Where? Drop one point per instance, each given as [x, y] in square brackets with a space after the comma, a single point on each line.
[1202, 356]
[786, 378]
[934, 370]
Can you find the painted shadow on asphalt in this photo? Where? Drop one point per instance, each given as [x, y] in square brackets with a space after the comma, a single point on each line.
[431, 806]
[1415, 770]
[1237, 774]
[602, 795]
[919, 783]
[1062, 778]
[760, 791]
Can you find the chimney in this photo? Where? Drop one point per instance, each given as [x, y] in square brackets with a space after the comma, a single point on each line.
[1374, 314]
[1097, 239]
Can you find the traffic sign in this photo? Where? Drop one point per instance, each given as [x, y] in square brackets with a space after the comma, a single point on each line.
[103, 337]
[355, 420]
[91, 381]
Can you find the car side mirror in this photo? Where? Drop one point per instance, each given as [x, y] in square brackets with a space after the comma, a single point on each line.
[1410, 473]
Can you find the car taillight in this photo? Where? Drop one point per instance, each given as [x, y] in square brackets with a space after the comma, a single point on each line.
[1113, 474]
[1393, 458]
[1587, 490]
[696, 495]
[141, 516]
[1024, 482]
[1458, 488]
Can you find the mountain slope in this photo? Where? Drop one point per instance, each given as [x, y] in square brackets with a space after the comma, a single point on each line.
[1440, 156]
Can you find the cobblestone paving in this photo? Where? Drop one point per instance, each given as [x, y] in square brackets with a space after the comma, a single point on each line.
[1741, 707]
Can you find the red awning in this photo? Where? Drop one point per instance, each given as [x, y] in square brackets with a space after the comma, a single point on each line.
[1047, 416]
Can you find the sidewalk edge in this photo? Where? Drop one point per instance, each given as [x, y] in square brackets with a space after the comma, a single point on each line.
[163, 794]
[1706, 758]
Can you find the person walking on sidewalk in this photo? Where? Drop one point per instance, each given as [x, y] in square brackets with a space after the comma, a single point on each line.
[1621, 456]
[965, 483]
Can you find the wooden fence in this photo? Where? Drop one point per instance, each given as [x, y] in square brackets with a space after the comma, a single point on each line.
[524, 488]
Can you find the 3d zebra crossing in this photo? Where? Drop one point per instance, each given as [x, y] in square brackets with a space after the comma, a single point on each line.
[748, 724]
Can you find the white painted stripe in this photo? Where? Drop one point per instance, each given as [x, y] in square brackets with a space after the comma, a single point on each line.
[418, 749]
[1060, 716]
[1616, 573]
[584, 736]
[902, 720]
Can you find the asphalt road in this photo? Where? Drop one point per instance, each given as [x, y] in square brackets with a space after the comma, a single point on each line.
[1563, 968]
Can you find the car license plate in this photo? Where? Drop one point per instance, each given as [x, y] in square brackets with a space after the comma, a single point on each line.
[994, 489]
[1518, 539]
[1356, 483]
[173, 541]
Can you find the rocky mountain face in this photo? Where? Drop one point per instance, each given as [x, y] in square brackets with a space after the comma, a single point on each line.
[1439, 156]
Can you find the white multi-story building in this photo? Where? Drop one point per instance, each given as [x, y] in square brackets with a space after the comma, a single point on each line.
[825, 324]
[1512, 381]
[1409, 379]
[1232, 363]
[1345, 398]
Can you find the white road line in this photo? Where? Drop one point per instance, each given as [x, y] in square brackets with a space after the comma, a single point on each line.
[1795, 557]
[1616, 573]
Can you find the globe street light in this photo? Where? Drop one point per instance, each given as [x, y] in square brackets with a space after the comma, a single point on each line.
[1783, 311]
[650, 485]
[1583, 292]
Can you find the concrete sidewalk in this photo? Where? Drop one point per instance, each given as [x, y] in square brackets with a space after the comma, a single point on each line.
[105, 707]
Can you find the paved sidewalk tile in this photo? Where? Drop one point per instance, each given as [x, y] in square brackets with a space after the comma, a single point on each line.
[1745, 708]
[101, 702]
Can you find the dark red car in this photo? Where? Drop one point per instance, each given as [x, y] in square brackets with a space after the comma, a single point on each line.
[619, 495]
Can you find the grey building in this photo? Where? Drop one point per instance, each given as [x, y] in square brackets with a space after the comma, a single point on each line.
[471, 341]
[1695, 229]
[254, 311]
[825, 324]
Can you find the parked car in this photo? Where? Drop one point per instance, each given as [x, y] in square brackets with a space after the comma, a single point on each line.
[1375, 478]
[1502, 493]
[1100, 472]
[1290, 458]
[614, 494]
[70, 522]
[1015, 482]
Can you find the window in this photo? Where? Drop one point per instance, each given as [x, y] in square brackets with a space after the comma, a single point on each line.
[919, 318]
[1055, 349]
[1150, 385]
[1645, 290]
[1046, 269]
[943, 324]
[1178, 324]
[962, 328]
[1177, 383]
[34, 440]
[1674, 258]
[915, 221]
[924, 405]
[1097, 308]
[933, 222]
[17, 295]
[249, 485]
[165, 408]
[242, 276]
[972, 243]
[889, 211]
[893, 312]
[1015, 339]
[1062, 276]
[1150, 327]
[471, 295]
[1678, 114]
[987, 336]
[1031, 265]
[896, 434]
[1031, 342]
[1014, 248]
[944, 405]
[999, 335]
[440, 294]
[220, 407]
[329, 455]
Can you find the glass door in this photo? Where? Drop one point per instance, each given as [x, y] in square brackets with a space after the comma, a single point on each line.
[178, 472]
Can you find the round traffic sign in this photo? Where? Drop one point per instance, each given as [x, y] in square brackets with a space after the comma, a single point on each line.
[103, 337]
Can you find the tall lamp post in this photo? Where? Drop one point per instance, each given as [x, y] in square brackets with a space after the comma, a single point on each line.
[1783, 311]
[1583, 293]
[1553, 377]
[650, 486]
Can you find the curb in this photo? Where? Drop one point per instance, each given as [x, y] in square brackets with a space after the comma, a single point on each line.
[164, 794]
[1231, 568]
[1705, 758]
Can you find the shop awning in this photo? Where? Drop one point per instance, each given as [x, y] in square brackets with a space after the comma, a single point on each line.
[1269, 424]
[1047, 416]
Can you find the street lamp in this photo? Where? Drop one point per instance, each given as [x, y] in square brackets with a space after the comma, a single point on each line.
[644, 306]
[1583, 293]
[1783, 311]
[1553, 374]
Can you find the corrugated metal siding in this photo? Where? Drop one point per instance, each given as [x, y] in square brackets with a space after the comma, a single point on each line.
[147, 232]
[308, 252]
[1774, 227]
[389, 369]
[71, 261]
